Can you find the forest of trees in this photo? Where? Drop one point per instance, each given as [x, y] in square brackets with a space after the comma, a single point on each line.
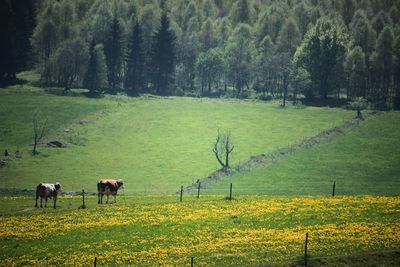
[292, 49]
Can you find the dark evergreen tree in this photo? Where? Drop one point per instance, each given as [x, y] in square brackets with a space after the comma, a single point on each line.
[380, 21]
[163, 57]
[347, 10]
[241, 12]
[364, 36]
[384, 50]
[113, 53]
[355, 68]
[16, 26]
[8, 41]
[24, 24]
[135, 62]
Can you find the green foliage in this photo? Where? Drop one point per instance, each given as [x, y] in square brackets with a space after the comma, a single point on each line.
[265, 65]
[384, 62]
[96, 74]
[301, 82]
[163, 57]
[355, 68]
[240, 53]
[322, 50]
[210, 67]
[114, 52]
[240, 12]
[135, 61]
[362, 32]
[69, 61]
[201, 25]
[359, 103]
[207, 35]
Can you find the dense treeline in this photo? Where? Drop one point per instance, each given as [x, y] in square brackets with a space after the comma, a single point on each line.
[16, 25]
[264, 48]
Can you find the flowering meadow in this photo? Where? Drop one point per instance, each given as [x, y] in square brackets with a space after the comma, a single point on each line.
[149, 231]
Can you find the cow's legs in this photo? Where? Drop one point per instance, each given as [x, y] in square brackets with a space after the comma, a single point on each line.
[41, 202]
[98, 198]
[36, 200]
[45, 203]
[101, 198]
[55, 201]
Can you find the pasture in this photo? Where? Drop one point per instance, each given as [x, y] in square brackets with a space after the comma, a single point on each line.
[364, 160]
[155, 144]
[158, 230]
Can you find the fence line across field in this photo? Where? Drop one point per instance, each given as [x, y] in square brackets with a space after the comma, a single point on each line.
[180, 195]
[191, 260]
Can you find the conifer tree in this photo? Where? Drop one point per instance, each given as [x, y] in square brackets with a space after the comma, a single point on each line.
[113, 53]
[384, 50]
[135, 62]
[163, 57]
[355, 68]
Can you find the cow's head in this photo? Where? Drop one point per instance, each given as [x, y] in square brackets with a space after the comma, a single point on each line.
[58, 187]
[120, 183]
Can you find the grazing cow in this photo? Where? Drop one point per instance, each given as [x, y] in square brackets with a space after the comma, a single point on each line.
[108, 187]
[47, 191]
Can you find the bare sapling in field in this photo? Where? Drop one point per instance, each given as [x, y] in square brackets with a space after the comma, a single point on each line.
[223, 147]
[40, 130]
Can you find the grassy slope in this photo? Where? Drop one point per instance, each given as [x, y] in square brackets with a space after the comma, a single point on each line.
[148, 231]
[155, 144]
[363, 161]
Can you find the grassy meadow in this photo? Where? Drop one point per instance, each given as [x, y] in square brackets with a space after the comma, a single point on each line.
[363, 160]
[155, 144]
[160, 231]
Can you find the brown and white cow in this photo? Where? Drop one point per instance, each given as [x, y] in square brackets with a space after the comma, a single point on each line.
[108, 187]
[47, 191]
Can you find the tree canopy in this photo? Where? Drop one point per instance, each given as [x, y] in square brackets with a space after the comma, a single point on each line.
[346, 48]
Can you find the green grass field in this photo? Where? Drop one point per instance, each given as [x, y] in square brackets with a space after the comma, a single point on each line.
[154, 231]
[365, 160]
[157, 144]
[154, 144]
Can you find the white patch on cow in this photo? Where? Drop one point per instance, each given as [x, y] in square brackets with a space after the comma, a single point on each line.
[49, 189]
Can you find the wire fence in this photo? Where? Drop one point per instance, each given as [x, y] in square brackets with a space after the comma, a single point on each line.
[260, 258]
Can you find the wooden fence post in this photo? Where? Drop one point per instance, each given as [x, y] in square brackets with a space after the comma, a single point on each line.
[198, 190]
[181, 193]
[230, 192]
[305, 251]
[83, 199]
[95, 261]
[334, 188]
[192, 262]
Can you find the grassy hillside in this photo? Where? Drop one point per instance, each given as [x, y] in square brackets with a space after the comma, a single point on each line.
[154, 144]
[151, 231]
[363, 161]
